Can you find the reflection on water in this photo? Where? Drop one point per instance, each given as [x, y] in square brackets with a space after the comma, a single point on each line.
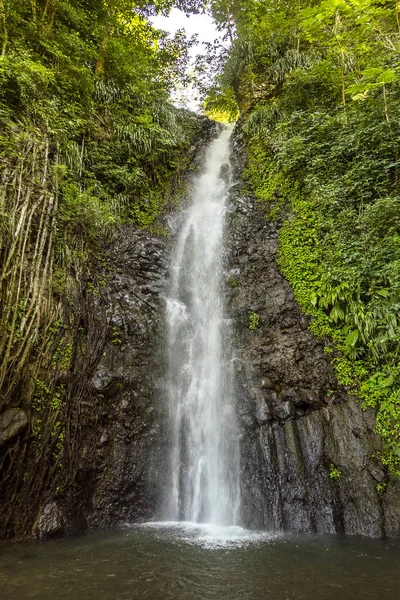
[184, 561]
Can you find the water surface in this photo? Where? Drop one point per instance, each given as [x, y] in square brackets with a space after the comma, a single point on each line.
[195, 562]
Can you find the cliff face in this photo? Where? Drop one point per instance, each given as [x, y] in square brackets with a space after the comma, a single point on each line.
[102, 473]
[102, 479]
[308, 449]
[125, 377]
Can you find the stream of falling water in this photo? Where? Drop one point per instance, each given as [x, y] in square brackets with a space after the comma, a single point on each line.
[203, 478]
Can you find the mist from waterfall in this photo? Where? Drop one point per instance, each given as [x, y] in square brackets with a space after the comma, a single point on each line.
[203, 473]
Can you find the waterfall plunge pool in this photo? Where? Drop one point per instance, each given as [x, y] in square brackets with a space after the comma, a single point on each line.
[185, 561]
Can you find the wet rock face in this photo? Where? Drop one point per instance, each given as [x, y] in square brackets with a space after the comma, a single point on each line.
[307, 447]
[122, 479]
[116, 478]
[106, 466]
[113, 482]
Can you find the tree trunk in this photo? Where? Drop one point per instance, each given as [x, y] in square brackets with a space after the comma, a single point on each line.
[385, 104]
[99, 69]
[3, 20]
[34, 10]
[229, 26]
[107, 32]
[342, 68]
[49, 15]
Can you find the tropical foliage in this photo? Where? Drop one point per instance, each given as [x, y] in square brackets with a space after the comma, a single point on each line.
[88, 141]
[318, 87]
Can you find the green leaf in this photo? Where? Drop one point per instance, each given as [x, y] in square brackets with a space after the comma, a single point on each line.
[387, 76]
[352, 338]
[336, 313]
[314, 299]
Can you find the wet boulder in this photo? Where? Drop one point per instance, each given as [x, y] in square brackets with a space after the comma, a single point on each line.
[225, 172]
[51, 522]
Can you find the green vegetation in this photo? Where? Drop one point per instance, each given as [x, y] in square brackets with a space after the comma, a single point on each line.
[381, 487]
[254, 320]
[318, 88]
[233, 282]
[89, 141]
[116, 340]
[334, 472]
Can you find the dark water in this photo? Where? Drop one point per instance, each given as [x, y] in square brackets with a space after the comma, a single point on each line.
[200, 563]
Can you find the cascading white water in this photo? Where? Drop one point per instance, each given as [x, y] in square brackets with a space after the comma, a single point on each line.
[203, 477]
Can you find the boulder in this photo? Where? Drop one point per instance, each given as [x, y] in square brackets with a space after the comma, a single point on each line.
[12, 422]
[51, 522]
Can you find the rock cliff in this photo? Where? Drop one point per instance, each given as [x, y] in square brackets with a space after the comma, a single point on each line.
[308, 449]
[105, 476]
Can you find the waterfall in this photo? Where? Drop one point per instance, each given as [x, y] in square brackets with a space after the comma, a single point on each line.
[203, 474]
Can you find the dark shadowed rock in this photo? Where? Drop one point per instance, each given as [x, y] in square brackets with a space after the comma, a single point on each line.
[309, 397]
